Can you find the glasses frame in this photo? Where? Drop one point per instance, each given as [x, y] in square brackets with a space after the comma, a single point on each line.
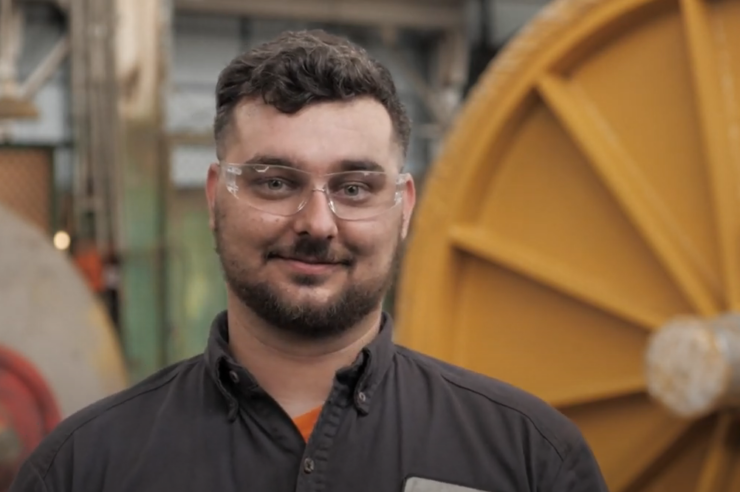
[233, 170]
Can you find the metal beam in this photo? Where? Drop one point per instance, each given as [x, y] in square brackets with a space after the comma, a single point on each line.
[46, 69]
[419, 14]
[143, 28]
[11, 35]
[392, 13]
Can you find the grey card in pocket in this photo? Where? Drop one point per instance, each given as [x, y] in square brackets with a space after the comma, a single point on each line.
[416, 484]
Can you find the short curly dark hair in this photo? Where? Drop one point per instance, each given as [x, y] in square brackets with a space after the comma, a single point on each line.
[299, 68]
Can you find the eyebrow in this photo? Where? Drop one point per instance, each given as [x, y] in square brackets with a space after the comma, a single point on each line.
[360, 165]
[272, 161]
[343, 165]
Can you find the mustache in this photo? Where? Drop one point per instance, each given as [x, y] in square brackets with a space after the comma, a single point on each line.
[310, 250]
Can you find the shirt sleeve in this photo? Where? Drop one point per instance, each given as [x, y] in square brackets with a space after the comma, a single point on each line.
[579, 472]
[28, 479]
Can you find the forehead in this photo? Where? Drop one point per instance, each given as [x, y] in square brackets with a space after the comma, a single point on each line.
[318, 138]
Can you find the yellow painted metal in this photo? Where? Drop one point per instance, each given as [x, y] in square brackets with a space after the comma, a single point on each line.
[587, 194]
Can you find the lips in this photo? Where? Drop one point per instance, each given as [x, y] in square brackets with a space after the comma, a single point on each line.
[312, 260]
[306, 266]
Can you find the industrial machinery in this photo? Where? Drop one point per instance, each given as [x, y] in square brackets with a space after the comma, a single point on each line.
[579, 234]
[58, 350]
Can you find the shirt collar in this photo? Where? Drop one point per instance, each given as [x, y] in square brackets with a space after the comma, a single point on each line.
[361, 378]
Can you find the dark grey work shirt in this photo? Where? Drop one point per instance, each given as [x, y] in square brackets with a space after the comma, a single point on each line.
[395, 421]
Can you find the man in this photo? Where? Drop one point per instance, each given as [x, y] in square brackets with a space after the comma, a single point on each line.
[300, 387]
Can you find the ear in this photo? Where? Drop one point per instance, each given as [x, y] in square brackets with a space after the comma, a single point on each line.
[409, 201]
[211, 190]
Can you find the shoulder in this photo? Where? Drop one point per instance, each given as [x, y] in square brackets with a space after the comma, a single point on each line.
[482, 396]
[112, 416]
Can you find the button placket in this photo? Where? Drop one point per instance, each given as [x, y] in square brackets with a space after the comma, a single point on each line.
[313, 464]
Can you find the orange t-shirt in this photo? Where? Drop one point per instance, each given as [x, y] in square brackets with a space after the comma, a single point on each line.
[306, 422]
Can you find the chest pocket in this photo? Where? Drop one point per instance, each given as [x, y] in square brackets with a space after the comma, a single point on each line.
[416, 484]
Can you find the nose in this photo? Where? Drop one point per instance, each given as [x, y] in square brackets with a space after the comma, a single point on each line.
[316, 218]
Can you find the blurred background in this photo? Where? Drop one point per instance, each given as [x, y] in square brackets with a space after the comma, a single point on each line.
[577, 233]
[106, 138]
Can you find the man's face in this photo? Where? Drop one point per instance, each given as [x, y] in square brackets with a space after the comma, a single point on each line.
[311, 274]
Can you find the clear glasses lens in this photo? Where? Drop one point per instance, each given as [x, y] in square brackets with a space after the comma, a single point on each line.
[352, 195]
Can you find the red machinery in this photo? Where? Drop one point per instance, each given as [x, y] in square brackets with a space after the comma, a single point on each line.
[28, 411]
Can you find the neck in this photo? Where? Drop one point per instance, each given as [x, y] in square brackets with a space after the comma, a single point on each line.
[297, 373]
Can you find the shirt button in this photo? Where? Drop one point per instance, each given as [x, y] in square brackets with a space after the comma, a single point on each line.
[362, 397]
[234, 376]
[308, 465]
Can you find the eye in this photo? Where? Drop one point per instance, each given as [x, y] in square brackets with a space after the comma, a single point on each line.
[352, 189]
[275, 184]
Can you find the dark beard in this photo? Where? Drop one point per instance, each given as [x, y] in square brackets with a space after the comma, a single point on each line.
[306, 321]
